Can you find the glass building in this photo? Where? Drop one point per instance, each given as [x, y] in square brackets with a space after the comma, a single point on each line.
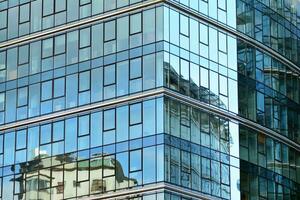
[150, 99]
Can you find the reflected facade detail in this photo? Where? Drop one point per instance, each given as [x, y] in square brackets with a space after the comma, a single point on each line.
[149, 99]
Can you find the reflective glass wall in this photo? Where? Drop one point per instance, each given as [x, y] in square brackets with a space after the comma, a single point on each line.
[269, 96]
[24, 17]
[188, 96]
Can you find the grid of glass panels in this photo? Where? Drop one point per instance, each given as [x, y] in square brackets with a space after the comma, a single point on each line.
[26, 17]
[42, 77]
[201, 61]
[287, 9]
[269, 92]
[119, 148]
[268, 27]
[223, 11]
[268, 153]
[259, 183]
[96, 152]
[197, 151]
[79, 67]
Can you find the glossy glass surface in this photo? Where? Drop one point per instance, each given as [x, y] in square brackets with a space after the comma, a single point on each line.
[277, 29]
[197, 151]
[26, 17]
[269, 168]
[79, 67]
[201, 61]
[223, 11]
[269, 91]
[87, 154]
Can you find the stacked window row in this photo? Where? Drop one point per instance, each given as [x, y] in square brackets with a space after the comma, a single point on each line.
[80, 45]
[197, 172]
[200, 82]
[198, 38]
[278, 34]
[194, 44]
[269, 153]
[269, 92]
[223, 11]
[197, 126]
[78, 133]
[76, 89]
[106, 167]
[260, 183]
[200, 150]
[269, 71]
[76, 175]
[288, 9]
[33, 16]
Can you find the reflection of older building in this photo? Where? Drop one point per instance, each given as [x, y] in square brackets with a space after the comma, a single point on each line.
[98, 175]
[188, 86]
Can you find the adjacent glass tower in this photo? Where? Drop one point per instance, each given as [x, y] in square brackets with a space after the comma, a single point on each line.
[150, 99]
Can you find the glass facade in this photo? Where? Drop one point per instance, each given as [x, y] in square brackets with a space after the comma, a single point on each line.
[149, 99]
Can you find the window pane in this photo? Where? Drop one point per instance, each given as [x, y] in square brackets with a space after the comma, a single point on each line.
[149, 71]
[72, 47]
[71, 135]
[84, 37]
[135, 68]
[109, 74]
[123, 33]
[122, 78]
[135, 23]
[46, 90]
[84, 125]
[149, 170]
[96, 129]
[71, 90]
[58, 131]
[33, 143]
[9, 148]
[36, 15]
[109, 119]
[34, 100]
[149, 117]
[135, 113]
[135, 160]
[59, 44]
[84, 81]
[148, 26]
[48, 7]
[45, 134]
[21, 139]
[73, 10]
[122, 123]
[59, 87]
[109, 31]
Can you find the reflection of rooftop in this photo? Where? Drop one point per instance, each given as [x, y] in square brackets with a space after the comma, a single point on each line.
[34, 180]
